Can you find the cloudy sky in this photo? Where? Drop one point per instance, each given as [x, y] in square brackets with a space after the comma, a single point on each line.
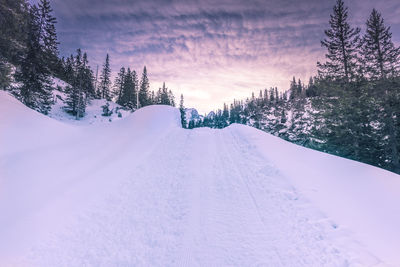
[211, 51]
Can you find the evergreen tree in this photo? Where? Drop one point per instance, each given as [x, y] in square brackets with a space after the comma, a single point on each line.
[128, 96]
[135, 89]
[14, 18]
[342, 42]
[5, 75]
[76, 93]
[164, 96]
[171, 98]
[119, 86]
[183, 113]
[380, 56]
[33, 74]
[105, 80]
[49, 35]
[293, 89]
[144, 96]
[382, 59]
[87, 78]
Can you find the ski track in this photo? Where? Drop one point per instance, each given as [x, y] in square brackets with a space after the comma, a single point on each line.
[234, 209]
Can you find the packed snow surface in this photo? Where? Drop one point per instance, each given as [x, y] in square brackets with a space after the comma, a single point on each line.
[142, 191]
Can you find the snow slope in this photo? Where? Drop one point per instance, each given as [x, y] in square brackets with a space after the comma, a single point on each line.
[142, 191]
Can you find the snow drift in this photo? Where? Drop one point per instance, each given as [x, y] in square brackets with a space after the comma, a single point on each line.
[143, 191]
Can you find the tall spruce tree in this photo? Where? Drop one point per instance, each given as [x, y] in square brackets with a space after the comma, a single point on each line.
[380, 56]
[14, 18]
[382, 61]
[105, 80]
[87, 77]
[128, 97]
[119, 86]
[33, 74]
[49, 35]
[77, 92]
[342, 42]
[135, 81]
[164, 97]
[183, 113]
[144, 94]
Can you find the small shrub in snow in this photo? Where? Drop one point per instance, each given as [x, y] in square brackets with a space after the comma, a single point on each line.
[106, 110]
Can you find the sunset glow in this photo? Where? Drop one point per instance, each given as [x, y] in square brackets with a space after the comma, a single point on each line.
[213, 51]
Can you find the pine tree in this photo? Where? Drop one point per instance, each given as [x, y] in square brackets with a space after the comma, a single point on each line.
[293, 89]
[49, 35]
[171, 98]
[33, 74]
[183, 113]
[135, 89]
[380, 56]
[128, 94]
[382, 59]
[76, 93]
[5, 75]
[119, 86]
[14, 21]
[105, 80]
[144, 96]
[342, 42]
[164, 97]
[87, 78]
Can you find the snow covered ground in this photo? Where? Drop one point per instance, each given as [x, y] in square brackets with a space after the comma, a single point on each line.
[142, 191]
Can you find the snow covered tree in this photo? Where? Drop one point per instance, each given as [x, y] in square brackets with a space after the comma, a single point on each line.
[342, 42]
[105, 80]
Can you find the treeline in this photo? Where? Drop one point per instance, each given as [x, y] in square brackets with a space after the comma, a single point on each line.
[29, 61]
[126, 90]
[351, 108]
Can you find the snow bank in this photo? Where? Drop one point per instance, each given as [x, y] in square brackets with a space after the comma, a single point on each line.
[357, 196]
[22, 128]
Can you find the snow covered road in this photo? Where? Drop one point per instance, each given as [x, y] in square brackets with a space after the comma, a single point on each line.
[153, 194]
[202, 199]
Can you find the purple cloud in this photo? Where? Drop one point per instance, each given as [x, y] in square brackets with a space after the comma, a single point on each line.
[211, 51]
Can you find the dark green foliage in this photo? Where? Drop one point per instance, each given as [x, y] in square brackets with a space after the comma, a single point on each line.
[119, 86]
[14, 20]
[183, 113]
[33, 72]
[48, 30]
[380, 57]
[342, 42]
[106, 110]
[79, 76]
[105, 80]
[144, 90]
[164, 97]
[28, 40]
[129, 90]
[5, 75]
